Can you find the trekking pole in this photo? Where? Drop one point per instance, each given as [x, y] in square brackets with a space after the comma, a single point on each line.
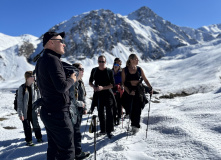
[130, 115]
[122, 116]
[148, 116]
[86, 126]
[94, 130]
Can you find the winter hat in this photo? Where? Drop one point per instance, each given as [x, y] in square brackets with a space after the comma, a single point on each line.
[28, 74]
[49, 35]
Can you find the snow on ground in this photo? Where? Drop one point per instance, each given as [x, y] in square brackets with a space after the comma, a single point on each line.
[180, 128]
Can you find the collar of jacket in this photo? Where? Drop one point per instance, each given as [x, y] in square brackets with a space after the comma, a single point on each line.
[48, 51]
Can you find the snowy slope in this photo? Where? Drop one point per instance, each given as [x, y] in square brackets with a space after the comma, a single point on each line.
[11, 63]
[180, 128]
[214, 29]
[7, 41]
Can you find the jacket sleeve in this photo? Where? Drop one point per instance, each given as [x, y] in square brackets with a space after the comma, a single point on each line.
[58, 77]
[77, 102]
[111, 75]
[91, 79]
[20, 101]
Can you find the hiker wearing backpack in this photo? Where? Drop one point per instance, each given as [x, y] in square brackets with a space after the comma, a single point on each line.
[77, 109]
[103, 96]
[117, 90]
[133, 98]
[27, 95]
[54, 86]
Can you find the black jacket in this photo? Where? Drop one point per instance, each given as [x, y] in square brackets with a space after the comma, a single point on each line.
[52, 82]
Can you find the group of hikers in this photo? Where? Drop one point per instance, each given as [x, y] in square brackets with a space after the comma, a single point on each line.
[61, 98]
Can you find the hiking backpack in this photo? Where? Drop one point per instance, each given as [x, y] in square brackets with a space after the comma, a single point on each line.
[16, 97]
[23, 93]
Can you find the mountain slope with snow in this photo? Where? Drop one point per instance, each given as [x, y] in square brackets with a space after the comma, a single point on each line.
[14, 52]
[143, 32]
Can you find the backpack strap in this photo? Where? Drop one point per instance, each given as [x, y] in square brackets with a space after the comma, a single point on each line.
[23, 89]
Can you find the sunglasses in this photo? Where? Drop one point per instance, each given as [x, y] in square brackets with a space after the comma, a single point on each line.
[81, 69]
[116, 65]
[101, 61]
[61, 40]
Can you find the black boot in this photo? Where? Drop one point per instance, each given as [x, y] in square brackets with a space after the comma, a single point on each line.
[82, 155]
[110, 135]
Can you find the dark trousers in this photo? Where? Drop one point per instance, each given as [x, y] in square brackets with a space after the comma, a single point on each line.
[60, 135]
[77, 135]
[28, 132]
[117, 112]
[136, 112]
[133, 106]
[106, 123]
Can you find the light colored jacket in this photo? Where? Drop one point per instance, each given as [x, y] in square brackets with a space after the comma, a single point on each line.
[76, 88]
[22, 102]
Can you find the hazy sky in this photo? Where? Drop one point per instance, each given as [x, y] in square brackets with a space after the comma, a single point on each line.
[35, 17]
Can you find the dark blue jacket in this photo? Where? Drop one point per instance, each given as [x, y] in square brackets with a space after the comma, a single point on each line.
[52, 82]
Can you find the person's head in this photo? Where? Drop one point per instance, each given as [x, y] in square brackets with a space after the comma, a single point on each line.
[132, 60]
[54, 41]
[80, 68]
[117, 64]
[29, 77]
[102, 61]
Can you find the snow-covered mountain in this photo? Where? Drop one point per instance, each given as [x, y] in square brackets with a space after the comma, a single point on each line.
[14, 53]
[102, 32]
[142, 32]
[214, 29]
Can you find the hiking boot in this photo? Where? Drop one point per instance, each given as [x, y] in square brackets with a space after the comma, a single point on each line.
[82, 155]
[101, 133]
[30, 143]
[39, 140]
[110, 135]
[134, 130]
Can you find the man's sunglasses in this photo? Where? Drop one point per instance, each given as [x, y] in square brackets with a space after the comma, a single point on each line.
[116, 65]
[81, 69]
[61, 40]
[101, 61]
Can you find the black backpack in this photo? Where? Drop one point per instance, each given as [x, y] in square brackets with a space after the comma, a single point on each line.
[16, 97]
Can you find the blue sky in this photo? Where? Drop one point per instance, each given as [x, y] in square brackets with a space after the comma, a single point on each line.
[35, 17]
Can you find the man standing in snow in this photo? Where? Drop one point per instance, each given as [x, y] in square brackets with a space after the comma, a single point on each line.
[103, 96]
[54, 88]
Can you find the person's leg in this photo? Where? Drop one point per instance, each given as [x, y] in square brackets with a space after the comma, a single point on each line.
[109, 113]
[27, 130]
[36, 128]
[109, 119]
[136, 112]
[101, 118]
[77, 136]
[60, 135]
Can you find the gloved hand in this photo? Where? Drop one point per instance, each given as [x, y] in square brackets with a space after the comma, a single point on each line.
[37, 104]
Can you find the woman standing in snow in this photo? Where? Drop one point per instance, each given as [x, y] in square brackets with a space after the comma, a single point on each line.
[78, 108]
[133, 97]
[27, 95]
[117, 90]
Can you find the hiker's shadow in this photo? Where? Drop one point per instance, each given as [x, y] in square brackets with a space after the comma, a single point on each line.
[16, 148]
[100, 142]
